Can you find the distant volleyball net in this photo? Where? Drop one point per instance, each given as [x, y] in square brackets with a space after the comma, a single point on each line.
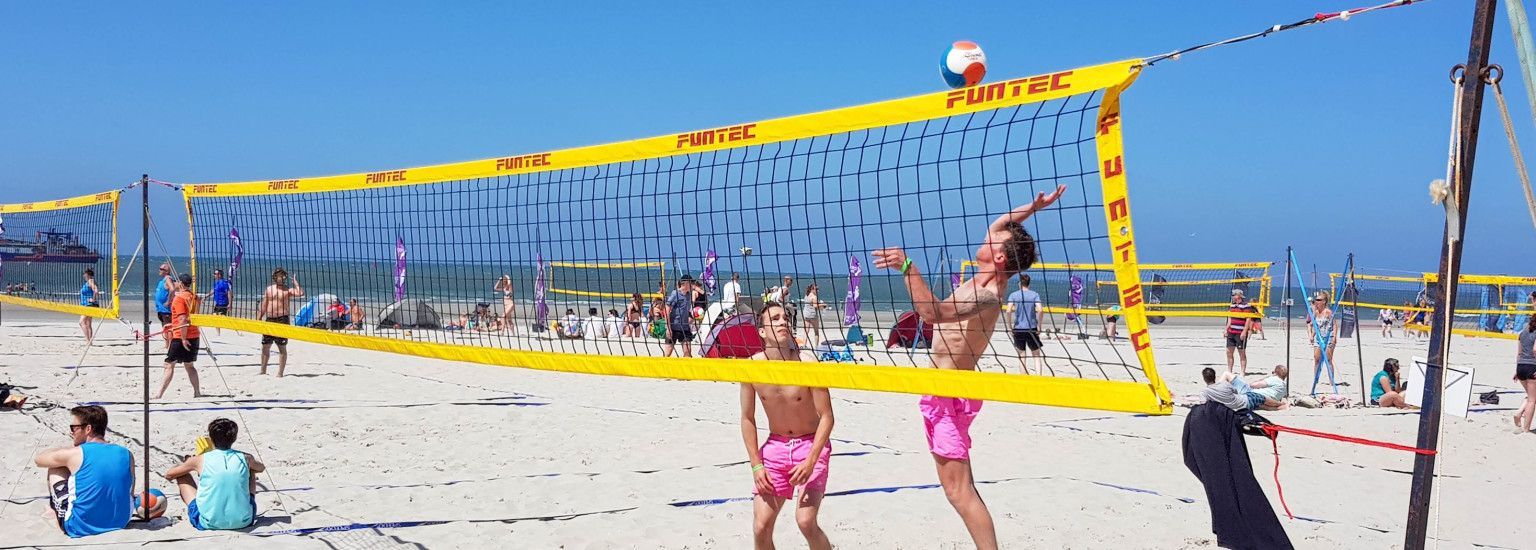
[567, 260]
[1492, 306]
[1171, 290]
[46, 248]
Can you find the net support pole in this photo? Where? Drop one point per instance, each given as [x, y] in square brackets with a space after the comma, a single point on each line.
[1359, 334]
[144, 228]
[1470, 110]
[1287, 302]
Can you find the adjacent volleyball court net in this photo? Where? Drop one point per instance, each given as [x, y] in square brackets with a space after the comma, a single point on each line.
[519, 260]
[46, 248]
[1171, 290]
[1493, 306]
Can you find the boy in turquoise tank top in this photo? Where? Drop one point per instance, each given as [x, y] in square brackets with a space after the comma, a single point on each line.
[221, 496]
[90, 484]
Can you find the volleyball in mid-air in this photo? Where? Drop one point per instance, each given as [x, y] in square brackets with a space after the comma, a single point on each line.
[698, 313]
[150, 505]
[963, 64]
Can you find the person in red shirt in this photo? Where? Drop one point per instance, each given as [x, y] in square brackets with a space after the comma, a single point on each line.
[1238, 330]
[184, 336]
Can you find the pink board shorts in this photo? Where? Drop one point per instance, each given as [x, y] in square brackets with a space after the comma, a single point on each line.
[947, 421]
[781, 454]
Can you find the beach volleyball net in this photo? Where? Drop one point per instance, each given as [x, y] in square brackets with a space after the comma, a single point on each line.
[1171, 290]
[46, 247]
[779, 205]
[1490, 306]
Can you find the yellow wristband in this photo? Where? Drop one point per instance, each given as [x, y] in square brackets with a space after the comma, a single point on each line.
[757, 467]
[906, 264]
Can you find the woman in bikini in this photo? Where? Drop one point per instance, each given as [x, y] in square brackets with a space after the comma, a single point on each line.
[632, 316]
[508, 305]
[809, 308]
[1322, 323]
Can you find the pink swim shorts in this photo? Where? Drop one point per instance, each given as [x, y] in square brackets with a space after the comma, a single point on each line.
[947, 421]
[781, 454]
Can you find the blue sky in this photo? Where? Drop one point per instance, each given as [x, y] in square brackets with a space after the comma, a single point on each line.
[1324, 138]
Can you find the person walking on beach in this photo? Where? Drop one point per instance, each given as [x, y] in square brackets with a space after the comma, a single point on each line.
[89, 298]
[1525, 372]
[798, 450]
[274, 307]
[1027, 314]
[964, 323]
[679, 317]
[1322, 331]
[220, 295]
[1238, 330]
[220, 494]
[508, 302]
[184, 337]
[90, 484]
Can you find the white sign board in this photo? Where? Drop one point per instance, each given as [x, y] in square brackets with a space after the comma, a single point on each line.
[1458, 389]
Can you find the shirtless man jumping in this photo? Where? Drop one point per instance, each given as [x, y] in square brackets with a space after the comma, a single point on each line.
[964, 323]
[797, 452]
[274, 309]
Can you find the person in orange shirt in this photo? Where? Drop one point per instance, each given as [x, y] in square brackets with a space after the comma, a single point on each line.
[184, 336]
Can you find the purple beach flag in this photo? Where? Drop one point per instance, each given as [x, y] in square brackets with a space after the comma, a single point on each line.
[399, 268]
[540, 307]
[1077, 296]
[851, 301]
[708, 276]
[234, 241]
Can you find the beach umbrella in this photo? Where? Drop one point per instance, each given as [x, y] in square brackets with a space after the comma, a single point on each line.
[708, 276]
[540, 307]
[735, 337]
[234, 241]
[399, 268]
[851, 301]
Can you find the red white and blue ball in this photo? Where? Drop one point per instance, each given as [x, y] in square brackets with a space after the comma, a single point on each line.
[149, 505]
[964, 64]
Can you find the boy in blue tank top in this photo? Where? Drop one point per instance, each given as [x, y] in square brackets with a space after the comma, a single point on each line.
[222, 495]
[90, 484]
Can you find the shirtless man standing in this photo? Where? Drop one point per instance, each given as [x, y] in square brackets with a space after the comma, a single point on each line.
[963, 328]
[274, 309]
[797, 451]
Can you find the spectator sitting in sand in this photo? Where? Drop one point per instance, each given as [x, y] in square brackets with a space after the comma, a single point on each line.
[569, 326]
[1387, 387]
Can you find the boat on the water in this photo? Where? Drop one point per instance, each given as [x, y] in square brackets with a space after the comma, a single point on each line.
[48, 247]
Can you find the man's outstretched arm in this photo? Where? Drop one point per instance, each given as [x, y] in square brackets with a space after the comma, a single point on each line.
[1018, 215]
[958, 307]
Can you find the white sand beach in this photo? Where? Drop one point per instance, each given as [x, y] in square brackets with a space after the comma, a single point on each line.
[427, 453]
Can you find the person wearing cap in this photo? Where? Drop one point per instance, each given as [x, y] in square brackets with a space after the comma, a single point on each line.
[1238, 329]
[679, 316]
[163, 291]
[184, 336]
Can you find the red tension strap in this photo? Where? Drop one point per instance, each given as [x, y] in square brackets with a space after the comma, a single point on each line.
[1273, 431]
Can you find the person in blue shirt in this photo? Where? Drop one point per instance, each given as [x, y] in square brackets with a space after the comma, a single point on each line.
[680, 317]
[1387, 387]
[219, 485]
[219, 295]
[90, 484]
[163, 292]
[89, 297]
[1027, 314]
